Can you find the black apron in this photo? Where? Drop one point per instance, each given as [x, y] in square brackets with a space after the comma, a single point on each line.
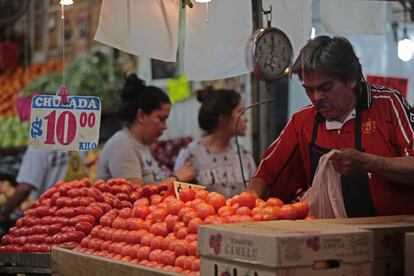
[355, 188]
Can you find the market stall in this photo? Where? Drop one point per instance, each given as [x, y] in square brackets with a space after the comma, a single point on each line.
[117, 226]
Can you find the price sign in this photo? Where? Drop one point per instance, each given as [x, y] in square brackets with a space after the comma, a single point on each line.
[179, 186]
[71, 126]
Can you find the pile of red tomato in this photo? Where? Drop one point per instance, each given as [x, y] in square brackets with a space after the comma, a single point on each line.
[139, 225]
[161, 231]
[67, 212]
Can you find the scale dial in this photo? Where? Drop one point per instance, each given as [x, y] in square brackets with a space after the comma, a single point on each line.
[269, 54]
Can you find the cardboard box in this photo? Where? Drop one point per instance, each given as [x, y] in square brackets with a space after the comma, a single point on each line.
[388, 267]
[219, 267]
[70, 263]
[409, 254]
[284, 244]
[388, 232]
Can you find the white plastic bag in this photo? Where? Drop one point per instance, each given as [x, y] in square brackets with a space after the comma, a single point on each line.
[325, 195]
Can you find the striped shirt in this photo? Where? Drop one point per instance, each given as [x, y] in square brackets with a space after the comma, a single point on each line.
[387, 129]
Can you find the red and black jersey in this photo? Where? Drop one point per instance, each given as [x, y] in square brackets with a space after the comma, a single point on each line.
[387, 129]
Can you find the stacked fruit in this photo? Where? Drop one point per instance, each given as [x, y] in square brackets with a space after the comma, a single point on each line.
[13, 82]
[161, 232]
[66, 213]
[13, 132]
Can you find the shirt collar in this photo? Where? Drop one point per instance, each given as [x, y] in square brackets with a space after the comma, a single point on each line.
[332, 124]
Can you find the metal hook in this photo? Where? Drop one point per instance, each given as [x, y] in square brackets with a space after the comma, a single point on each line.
[268, 13]
[186, 2]
[263, 11]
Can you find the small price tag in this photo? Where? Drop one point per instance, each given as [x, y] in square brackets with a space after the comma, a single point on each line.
[73, 126]
[179, 186]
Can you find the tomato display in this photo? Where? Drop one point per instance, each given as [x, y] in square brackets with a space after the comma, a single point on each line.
[161, 231]
[68, 212]
[139, 225]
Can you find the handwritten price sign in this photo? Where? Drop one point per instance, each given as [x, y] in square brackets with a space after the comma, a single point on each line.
[179, 186]
[73, 126]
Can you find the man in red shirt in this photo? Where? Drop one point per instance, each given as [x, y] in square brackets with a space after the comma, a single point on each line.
[372, 126]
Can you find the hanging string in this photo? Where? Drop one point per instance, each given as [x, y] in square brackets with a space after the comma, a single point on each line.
[207, 12]
[26, 50]
[245, 181]
[63, 90]
[63, 43]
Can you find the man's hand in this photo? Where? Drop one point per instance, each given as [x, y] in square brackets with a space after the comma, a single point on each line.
[348, 161]
[256, 186]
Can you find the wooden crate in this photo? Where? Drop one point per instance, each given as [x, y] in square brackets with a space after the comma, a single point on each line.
[25, 263]
[68, 262]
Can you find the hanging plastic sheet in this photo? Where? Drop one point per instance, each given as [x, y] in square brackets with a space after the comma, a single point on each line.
[294, 17]
[354, 16]
[215, 39]
[145, 28]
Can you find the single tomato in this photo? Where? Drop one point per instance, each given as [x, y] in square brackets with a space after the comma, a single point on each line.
[159, 214]
[125, 213]
[84, 226]
[155, 255]
[193, 225]
[166, 242]
[187, 195]
[193, 248]
[120, 223]
[174, 206]
[141, 211]
[205, 210]
[195, 265]
[167, 257]
[159, 229]
[288, 211]
[171, 220]
[244, 210]
[302, 209]
[188, 262]
[270, 213]
[94, 211]
[156, 242]
[247, 199]
[179, 261]
[135, 223]
[180, 247]
[216, 200]
[274, 201]
[214, 220]
[225, 210]
[201, 194]
[146, 239]
[182, 233]
[133, 237]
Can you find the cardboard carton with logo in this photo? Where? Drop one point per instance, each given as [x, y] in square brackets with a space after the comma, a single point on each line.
[388, 234]
[281, 247]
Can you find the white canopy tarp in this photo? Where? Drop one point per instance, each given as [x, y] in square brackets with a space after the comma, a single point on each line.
[354, 16]
[215, 40]
[147, 27]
